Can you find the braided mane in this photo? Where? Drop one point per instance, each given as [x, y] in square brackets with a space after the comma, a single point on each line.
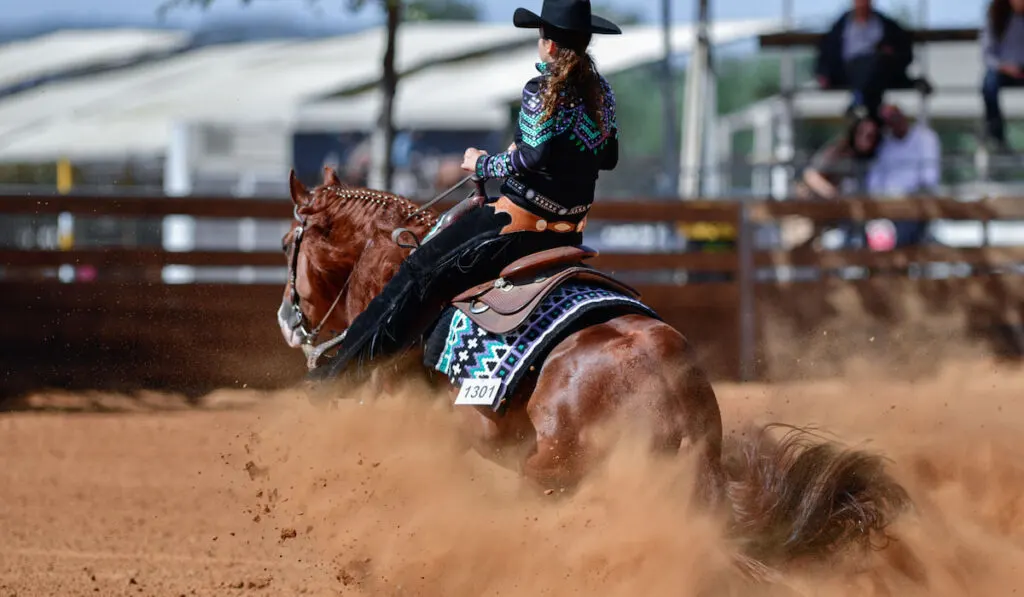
[349, 241]
[362, 207]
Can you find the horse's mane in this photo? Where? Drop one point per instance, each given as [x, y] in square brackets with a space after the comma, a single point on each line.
[355, 226]
[363, 208]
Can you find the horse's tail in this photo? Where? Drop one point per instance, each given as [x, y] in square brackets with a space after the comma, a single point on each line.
[795, 496]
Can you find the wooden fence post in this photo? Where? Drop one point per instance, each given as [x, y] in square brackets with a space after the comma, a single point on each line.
[745, 273]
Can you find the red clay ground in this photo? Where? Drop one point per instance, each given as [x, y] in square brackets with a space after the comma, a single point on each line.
[364, 501]
[133, 504]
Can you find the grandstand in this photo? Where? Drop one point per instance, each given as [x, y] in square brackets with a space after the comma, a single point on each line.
[955, 69]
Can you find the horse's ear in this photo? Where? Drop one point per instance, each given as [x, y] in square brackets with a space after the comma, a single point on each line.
[300, 194]
[331, 177]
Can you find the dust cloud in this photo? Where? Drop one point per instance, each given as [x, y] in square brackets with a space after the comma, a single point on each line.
[384, 492]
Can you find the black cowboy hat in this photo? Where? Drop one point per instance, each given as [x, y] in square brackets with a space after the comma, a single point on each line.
[570, 15]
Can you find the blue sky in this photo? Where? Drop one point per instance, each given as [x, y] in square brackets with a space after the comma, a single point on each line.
[940, 12]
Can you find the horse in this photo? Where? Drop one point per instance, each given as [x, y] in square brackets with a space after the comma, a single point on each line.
[785, 498]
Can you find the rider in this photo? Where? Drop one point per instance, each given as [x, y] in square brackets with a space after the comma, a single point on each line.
[567, 133]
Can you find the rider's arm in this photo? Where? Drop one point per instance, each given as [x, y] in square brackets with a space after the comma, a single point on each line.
[610, 157]
[531, 152]
[826, 163]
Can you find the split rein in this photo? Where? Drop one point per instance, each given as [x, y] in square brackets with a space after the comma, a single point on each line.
[315, 352]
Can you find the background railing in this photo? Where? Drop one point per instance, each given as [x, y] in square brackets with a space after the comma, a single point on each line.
[754, 303]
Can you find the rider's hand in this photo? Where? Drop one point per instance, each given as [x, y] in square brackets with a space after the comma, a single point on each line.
[1011, 70]
[470, 158]
[511, 147]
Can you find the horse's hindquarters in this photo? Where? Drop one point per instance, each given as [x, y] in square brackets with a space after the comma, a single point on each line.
[632, 369]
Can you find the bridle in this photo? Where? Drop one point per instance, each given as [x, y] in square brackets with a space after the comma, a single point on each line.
[292, 313]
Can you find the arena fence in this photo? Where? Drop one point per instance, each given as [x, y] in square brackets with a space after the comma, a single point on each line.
[109, 317]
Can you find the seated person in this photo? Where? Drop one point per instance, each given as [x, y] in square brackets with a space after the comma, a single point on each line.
[1002, 42]
[907, 163]
[840, 167]
[908, 157]
[868, 52]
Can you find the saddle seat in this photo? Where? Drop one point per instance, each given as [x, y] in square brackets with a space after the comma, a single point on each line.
[500, 306]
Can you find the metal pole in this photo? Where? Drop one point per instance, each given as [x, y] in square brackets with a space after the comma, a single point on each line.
[707, 179]
[710, 175]
[788, 66]
[784, 152]
[669, 98]
[922, 59]
[693, 121]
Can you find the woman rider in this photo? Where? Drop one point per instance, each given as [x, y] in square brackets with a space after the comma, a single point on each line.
[567, 133]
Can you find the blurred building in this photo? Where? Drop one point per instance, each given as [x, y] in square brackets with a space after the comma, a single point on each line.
[233, 118]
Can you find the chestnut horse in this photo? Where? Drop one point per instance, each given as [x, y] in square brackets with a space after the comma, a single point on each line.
[788, 498]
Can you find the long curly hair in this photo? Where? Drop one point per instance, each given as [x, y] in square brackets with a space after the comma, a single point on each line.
[573, 76]
[999, 13]
[849, 138]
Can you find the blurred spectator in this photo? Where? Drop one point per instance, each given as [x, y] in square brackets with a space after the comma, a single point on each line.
[908, 157]
[908, 163]
[841, 166]
[1002, 42]
[868, 52]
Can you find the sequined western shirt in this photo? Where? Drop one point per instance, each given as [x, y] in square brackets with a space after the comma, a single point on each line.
[559, 156]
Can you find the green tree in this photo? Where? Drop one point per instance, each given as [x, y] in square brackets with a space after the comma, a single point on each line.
[395, 11]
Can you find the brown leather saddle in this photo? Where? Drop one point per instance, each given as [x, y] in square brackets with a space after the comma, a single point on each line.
[502, 305]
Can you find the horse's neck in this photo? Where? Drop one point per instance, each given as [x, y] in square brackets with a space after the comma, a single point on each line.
[372, 271]
[385, 265]
[378, 262]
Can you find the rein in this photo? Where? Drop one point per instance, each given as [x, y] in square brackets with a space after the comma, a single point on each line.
[396, 235]
[433, 201]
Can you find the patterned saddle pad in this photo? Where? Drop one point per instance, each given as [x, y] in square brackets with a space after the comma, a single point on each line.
[460, 349]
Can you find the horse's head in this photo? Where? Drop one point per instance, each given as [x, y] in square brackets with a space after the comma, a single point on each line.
[340, 255]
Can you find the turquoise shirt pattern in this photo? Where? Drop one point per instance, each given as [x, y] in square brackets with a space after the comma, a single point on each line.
[537, 131]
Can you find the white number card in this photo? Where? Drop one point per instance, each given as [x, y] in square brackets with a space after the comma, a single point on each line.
[478, 392]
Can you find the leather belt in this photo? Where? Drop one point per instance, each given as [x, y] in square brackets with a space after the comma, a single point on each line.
[523, 220]
[541, 201]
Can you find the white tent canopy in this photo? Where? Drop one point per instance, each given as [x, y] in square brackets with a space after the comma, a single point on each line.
[61, 51]
[132, 110]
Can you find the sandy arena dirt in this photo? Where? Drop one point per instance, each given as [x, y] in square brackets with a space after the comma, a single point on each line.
[258, 494]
